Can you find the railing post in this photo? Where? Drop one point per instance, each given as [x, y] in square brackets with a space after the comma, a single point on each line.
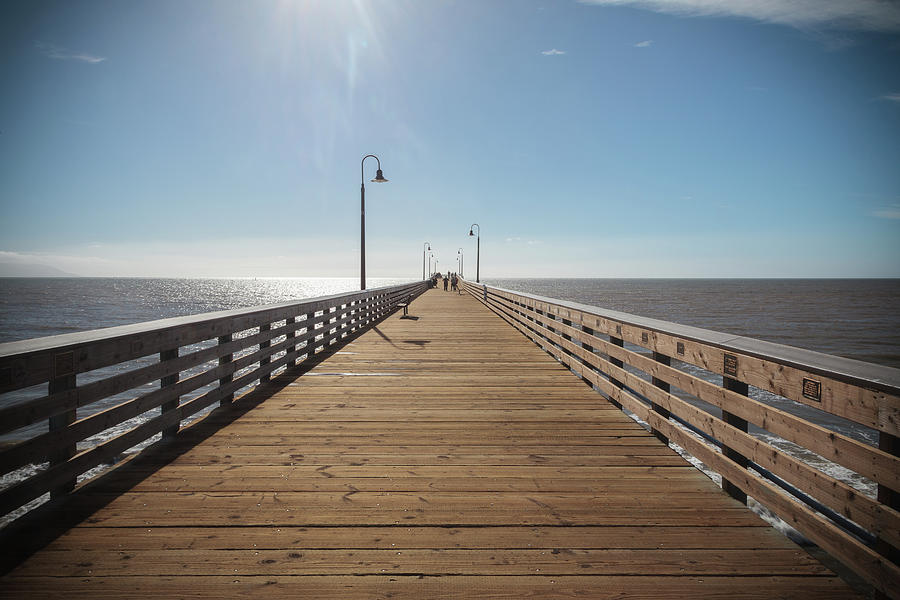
[224, 360]
[363, 313]
[743, 389]
[589, 348]
[890, 444]
[341, 313]
[311, 330]
[169, 380]
[546, 326]
[664, 386]
[262, 346]
[62, 383]
[568, 338]
[289, 335]
[616, 341]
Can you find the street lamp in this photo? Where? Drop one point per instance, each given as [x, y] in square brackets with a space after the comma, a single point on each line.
[430, 256]
[379, 178]
[425, 249]
[461, 265]
[478, 255]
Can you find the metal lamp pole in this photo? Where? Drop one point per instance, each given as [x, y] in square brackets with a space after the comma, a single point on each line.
[478, 255]
[379, 178]
[461, 262]
[425, 249]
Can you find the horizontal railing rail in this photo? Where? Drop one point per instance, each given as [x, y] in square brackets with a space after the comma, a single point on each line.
[86, 398]
[638, 364]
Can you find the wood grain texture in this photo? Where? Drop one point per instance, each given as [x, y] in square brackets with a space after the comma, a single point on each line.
[438, 457]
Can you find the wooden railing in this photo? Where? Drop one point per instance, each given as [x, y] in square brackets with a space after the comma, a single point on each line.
[637, 363]
[140, 380]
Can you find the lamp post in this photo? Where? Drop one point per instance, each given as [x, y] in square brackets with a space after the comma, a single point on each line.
[425, 249]
[461, 262]
[430, 256]
[379, 178]
[478, 255]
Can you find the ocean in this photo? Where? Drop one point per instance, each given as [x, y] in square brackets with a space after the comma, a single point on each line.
[853, 318]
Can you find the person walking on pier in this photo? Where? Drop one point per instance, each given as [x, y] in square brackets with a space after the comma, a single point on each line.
[445, 281]
[453, 283]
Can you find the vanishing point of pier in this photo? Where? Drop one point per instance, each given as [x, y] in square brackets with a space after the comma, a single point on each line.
[440, 454]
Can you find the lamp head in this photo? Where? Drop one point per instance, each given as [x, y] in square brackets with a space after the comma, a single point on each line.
[379, 177]
[470, 232]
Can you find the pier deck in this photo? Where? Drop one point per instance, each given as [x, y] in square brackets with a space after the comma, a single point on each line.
[440, 456]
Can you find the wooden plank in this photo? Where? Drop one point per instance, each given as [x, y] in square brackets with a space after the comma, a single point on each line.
[400, 538]
[416, 587]
[435, 561]
[235, 456]
[191, 482]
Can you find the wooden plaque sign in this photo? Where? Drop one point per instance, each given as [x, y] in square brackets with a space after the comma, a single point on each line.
[679, 347]
[730, 366]
[644, 337]
[812, 389]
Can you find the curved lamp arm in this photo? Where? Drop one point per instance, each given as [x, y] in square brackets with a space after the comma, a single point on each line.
[379, 176]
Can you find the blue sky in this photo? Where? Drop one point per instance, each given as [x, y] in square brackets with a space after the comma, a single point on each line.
[611, 138]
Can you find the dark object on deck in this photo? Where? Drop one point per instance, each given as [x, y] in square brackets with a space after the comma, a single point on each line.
[405, 306]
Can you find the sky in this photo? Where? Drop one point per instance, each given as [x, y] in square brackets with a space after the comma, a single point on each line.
[601, 138]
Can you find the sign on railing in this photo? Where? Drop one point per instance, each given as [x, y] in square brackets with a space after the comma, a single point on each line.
[639, 365]
[86, 398]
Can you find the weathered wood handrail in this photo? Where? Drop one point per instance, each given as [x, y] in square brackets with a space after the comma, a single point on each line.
[223, 352]
[592, 342]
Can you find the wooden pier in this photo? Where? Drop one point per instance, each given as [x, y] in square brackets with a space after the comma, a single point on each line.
[442, 455]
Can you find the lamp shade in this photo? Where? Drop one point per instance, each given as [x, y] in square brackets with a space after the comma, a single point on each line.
[471, 232]
[379, 177]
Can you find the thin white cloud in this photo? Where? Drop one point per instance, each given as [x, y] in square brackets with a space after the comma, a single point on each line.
[890, 212]
[553, 52]
[644, 44]
[864, 15]
[51, 51]
[895, 97]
